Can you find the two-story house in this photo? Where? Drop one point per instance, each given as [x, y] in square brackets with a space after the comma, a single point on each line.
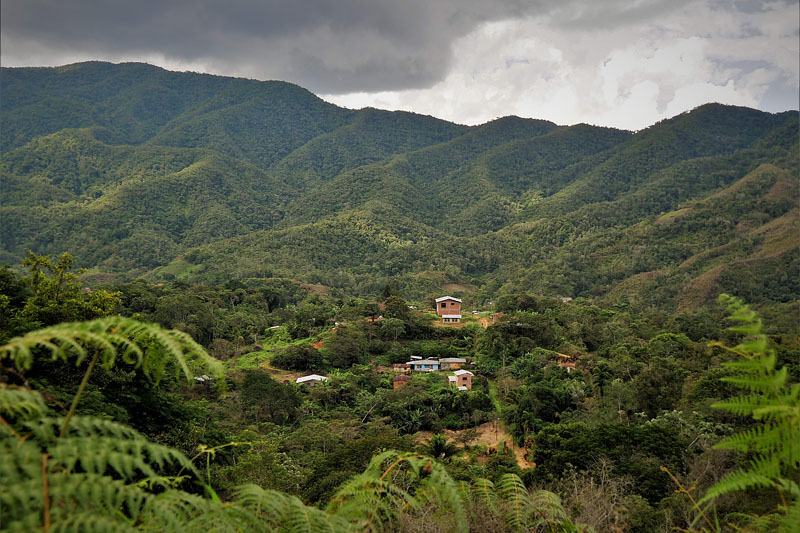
[449, 309]
[461, 379]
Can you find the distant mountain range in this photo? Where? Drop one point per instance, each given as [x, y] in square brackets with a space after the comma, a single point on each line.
[138, 171]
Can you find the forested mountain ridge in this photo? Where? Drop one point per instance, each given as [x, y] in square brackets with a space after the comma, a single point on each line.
[283, 236]
[140, 171]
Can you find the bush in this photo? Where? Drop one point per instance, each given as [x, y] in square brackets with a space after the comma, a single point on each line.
[302, 357]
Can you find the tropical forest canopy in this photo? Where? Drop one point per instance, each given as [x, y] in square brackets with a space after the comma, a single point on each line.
[141, 172]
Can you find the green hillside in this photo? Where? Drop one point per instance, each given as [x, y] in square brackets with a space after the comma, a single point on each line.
[138, 171]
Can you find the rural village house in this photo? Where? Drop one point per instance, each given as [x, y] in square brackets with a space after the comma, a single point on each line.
[461, 379]
[403, 368]
[424, 365]
[449, 309]
[451, 363]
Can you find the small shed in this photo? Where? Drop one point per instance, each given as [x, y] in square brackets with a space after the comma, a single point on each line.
[311, 380]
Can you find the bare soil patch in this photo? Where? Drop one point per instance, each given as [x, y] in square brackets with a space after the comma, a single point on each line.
[456, 287]
[321, 290]
[281, 375]
[490, 434]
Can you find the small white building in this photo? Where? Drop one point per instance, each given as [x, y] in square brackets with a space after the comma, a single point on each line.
[313, 379]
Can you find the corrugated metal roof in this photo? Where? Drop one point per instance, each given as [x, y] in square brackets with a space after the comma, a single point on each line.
[312, 377]
[462, 372]
[446, 298]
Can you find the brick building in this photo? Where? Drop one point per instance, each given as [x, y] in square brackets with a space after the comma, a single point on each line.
[449, 309]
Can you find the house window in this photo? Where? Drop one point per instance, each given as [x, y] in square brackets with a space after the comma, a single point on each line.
[444, 304]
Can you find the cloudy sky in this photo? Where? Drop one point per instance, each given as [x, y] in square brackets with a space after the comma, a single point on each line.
[621, 63]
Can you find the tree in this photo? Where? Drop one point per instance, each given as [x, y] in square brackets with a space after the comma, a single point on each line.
[302, 357]
[58, 295]
[396, 307]
[390, 289]
[658, 387]
[439, 448]
[265, 399]
[346, 347]
[465, 436]
[392, 328]
[669, 345]
[13, 293]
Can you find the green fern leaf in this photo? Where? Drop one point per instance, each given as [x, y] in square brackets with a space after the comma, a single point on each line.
[515, 496]
[109, 336]
[18, 402]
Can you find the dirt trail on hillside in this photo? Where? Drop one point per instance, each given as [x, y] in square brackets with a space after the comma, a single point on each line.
[278, 374]
[490, 434]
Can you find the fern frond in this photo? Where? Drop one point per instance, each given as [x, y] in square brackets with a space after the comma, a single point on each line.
[19, 461]
[738, 480]
[744, 405]
[46, 430]
[277, 510]
[373, 500]
[127, 458]
[515, 496]
[762, 384]
[72, 494]
[485, 491]
[372, 503]
[19, 402]
[112, 336]
[777, 412]
[88, 522]
[549, 511]
[437, 480]
[774, 443]
[176, 510]
[791, 518]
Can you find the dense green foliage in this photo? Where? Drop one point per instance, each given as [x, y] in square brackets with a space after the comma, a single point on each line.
[99, 475]
[140, 171]
[606, 438]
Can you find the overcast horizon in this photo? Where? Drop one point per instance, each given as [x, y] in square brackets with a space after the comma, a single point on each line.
[622, 64]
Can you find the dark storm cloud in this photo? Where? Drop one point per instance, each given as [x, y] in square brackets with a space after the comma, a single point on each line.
[329, 46]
